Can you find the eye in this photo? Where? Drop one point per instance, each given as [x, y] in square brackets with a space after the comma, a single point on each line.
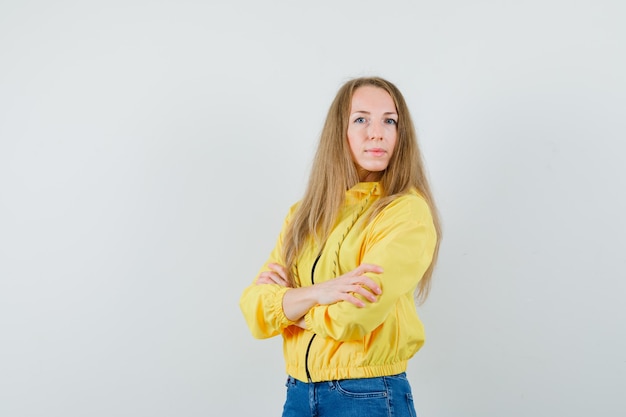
[391, 121]
[359, 120]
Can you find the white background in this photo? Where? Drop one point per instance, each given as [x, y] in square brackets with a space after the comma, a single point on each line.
[150, 149]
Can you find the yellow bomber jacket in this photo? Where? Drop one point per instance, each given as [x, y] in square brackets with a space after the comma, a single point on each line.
[341, 340]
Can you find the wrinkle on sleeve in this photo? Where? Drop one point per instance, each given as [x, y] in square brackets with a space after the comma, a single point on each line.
[262, 305]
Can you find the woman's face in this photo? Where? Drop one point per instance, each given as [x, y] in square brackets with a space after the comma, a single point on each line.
[372, 131]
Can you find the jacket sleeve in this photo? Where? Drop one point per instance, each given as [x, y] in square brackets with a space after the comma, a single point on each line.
[402, 241]
[262, 305]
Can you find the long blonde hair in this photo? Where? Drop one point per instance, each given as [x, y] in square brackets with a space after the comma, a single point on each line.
[333, 172]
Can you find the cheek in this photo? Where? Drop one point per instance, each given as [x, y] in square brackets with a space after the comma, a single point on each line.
[353, 143]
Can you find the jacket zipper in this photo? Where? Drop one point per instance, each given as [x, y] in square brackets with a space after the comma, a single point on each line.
[306, 359]
[308, 348]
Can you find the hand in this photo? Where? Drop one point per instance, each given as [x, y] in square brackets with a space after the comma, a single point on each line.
[276, 275]
[298, 301]
[345, 287]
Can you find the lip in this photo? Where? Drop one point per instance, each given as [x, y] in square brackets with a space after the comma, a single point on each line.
[376, 151]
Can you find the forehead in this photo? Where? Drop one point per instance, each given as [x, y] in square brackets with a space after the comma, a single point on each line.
[369, 98]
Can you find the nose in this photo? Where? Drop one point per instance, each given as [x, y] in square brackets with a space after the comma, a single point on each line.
[375, 131]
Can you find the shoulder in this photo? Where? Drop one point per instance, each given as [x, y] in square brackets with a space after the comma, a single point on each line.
[409, 206]
[293, 208]
[407, 217]
[291, 212]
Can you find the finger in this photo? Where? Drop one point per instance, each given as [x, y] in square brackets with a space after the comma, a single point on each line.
[278, 279]
[279, 269]
[365, 293]
[263, 280]
[269, 280]
[370, 284]
[352, 299]
[269, 277]
[363, 268]
[367, 282]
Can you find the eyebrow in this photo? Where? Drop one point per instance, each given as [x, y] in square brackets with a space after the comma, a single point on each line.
[366, 112]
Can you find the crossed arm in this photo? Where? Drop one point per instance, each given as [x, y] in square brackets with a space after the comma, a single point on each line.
[298, 301]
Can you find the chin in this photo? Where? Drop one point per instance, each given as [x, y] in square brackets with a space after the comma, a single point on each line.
[376, 168]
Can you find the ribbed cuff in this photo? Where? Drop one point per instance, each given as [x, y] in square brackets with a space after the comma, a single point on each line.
[277, 308]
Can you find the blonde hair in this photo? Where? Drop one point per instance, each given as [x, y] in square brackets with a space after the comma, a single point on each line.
[333, 172]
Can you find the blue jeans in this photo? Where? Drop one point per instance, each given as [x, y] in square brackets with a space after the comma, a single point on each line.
[384, 396]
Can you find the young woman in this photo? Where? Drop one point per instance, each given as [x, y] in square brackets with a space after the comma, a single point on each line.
[353, 257]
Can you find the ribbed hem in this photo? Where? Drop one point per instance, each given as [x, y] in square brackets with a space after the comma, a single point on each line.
[332, 374]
